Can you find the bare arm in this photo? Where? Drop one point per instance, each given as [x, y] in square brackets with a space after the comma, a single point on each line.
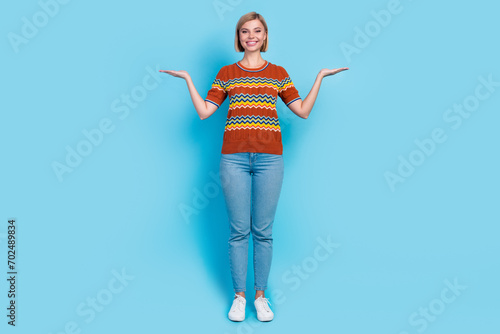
[302, 108]
[203, 108]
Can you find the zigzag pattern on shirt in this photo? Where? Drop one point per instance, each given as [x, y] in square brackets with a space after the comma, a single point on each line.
[218, 84]
[252, 122]
[252, 82]
[286, 83]
[252, 101]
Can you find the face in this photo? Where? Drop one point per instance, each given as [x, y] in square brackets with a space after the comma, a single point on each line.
[252, 35]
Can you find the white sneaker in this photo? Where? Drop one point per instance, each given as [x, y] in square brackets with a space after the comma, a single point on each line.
[264, 313]
[237, 311]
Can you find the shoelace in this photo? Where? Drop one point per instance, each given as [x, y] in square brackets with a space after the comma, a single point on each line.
[264, 302]
[240, 302]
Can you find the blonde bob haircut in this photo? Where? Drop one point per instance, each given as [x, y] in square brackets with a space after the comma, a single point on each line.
[244, 19]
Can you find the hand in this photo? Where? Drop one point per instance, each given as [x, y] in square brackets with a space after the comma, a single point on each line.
[326, 72]
[178, 74]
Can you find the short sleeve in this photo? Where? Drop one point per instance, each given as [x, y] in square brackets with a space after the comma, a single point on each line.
[217, 94]
[287, 90]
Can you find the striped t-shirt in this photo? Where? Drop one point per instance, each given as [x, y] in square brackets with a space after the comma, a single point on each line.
[252, 123]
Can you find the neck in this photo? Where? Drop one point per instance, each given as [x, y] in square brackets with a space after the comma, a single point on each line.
[252, 59]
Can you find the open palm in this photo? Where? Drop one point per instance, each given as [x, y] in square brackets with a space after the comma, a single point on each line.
[326, 72]
[178, 74]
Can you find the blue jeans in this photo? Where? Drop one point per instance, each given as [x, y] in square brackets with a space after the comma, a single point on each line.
[251, 183]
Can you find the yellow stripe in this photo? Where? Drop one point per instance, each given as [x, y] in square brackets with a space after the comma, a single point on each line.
[246, 104]
[262, 125]
[252, 85]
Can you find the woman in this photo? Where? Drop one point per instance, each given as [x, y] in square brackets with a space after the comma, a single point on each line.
[251, 165]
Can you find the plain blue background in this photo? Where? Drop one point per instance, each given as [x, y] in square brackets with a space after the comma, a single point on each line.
[121, 208]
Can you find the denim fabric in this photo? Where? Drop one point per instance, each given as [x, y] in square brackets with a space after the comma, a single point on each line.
[251, 183]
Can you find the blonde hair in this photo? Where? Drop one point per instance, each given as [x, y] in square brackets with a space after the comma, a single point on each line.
[244, 19]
